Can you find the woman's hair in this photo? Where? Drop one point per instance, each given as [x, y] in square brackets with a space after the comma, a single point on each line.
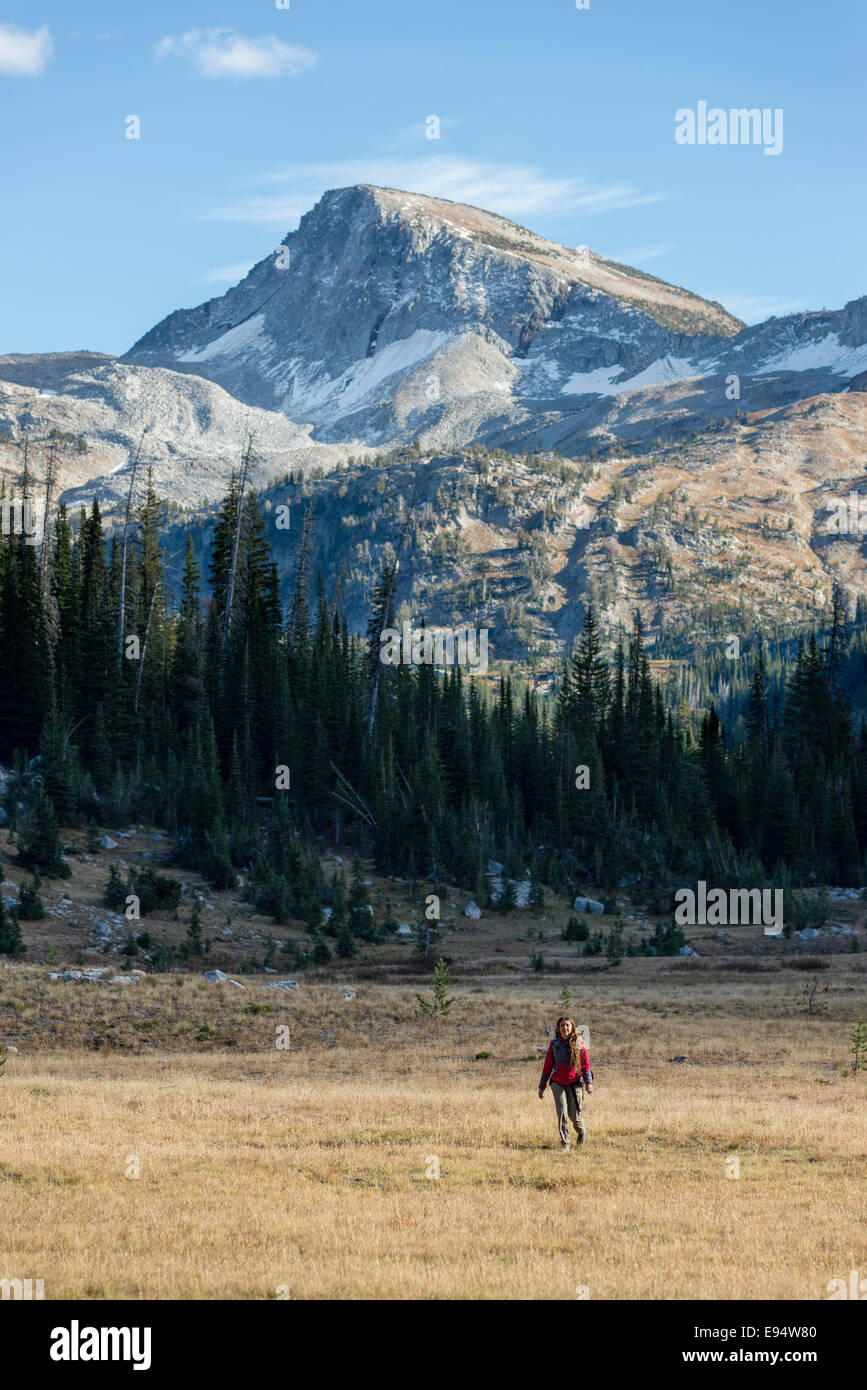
[573, 1040]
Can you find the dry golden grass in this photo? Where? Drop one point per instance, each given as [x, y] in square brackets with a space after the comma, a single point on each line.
[305, 1168]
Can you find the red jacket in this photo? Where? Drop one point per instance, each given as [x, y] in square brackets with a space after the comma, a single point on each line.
[557, 1061]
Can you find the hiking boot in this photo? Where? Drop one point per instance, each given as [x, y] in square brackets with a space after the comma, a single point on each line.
[564, 1147]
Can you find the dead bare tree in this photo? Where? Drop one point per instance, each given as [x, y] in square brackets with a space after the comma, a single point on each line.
[236, 538]
[50, 479]
[49, 601]
[124, 542]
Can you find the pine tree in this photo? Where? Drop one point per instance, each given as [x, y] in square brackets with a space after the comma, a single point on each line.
[40, 846]
[346, 946]
[11, 943]
[30, 905]
[321, 953]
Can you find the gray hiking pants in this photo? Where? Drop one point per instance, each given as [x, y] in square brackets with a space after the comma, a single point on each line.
[567, 1100]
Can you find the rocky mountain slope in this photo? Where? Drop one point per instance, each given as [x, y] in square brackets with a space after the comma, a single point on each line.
[96, 409]
[727, 529]
[659, 455]
[389, 316]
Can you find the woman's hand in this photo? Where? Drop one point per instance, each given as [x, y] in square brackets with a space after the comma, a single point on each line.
[541, 1094]
[589, 1087]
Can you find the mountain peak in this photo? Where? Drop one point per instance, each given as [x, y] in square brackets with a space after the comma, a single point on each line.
[422, 213]
[390, 316]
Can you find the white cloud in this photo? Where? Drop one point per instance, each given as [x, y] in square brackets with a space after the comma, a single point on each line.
[757, 308]
[24, 54]
[512, 190]
[225, 53]
[227, 274]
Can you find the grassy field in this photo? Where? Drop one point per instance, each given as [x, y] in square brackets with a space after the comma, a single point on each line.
[307, 1170]
[301, 1172]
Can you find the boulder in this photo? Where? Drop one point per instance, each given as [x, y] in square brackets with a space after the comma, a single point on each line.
[107, 842]
[282, 984]
[680, 1058]
[124, 980]
[217, 976]
[522, 892]
[473, 910]
[587, 905]
[348, 993]
[71, 975]
[687, 951]
[403, 930]
[808, 934]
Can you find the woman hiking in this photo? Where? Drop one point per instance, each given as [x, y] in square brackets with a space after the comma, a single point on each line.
[568, 1059]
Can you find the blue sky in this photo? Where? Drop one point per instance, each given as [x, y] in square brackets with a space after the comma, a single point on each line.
[560, 118]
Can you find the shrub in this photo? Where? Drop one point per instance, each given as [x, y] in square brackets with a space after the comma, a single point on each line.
[810, 994]
[155, 890]
[575, 930]
[812, 963]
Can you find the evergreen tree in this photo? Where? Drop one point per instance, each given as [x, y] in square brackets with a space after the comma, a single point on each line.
[11, 943]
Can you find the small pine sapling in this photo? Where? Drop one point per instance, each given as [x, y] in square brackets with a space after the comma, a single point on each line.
[441, 1001]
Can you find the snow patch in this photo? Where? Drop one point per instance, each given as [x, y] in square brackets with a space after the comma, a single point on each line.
[244, 335]
[601, 381]
[363, 377]
[827, 352]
